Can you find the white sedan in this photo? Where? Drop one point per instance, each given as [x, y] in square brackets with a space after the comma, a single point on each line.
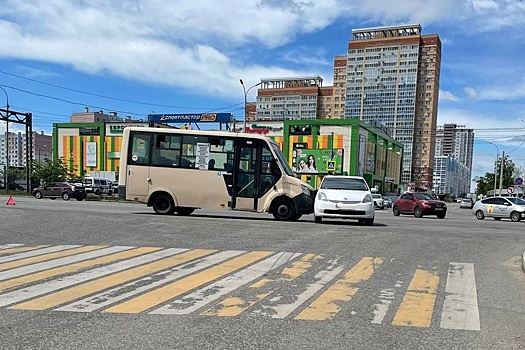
[344, 197]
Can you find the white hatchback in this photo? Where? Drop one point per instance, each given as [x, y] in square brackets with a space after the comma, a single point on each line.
[344, 197]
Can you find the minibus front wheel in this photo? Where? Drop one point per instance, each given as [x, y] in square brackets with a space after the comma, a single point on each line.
[283, 209]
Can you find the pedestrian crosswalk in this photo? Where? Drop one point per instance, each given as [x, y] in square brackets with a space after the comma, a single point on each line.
[304, 287]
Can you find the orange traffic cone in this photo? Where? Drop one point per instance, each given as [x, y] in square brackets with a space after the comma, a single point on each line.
[10, 201]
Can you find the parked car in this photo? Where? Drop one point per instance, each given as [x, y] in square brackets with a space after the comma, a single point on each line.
[97, 185]
[387, 201]
[64, 190]
[500, 208]
[344, 197]
[419, 204]
[466, 203]
[378, 201]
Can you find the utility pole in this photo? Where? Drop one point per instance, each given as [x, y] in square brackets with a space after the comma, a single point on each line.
[6, 168]
[246, 91]
[502, 167]
[495, 174]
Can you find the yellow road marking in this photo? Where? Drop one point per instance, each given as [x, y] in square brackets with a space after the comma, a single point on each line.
[172, 290]
[21, 249]
[35, 277]
[418, 303]
[46, 257]
[234, 306]
[84, 289]
[331, 301]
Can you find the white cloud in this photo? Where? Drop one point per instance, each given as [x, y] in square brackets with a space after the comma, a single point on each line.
[195, 44]
[446, 95]
[471, 92]
[503, 92]
[35, 73]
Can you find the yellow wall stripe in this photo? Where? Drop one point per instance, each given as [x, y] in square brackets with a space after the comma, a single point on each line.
[170, 291]
[46, 257]
[418, 303]
[35, 277]
[331, 301]
[234, 306]
[84, 289]
[20, 249]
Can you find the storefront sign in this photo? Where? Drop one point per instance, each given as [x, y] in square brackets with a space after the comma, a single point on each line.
[116, 129]
[191, 118]
[88, 131]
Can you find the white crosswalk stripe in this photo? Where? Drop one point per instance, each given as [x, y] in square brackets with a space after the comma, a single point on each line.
[36, 252]
[460, 310]
[7, 246]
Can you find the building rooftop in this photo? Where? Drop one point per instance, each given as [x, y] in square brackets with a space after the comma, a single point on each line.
[386, 32]
[313, 77]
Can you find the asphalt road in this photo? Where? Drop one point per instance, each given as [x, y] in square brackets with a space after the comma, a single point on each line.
[246, 281]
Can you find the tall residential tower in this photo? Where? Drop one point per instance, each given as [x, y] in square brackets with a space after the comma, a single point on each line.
[392, 77]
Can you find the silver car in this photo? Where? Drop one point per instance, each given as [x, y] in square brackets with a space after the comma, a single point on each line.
[499, 208]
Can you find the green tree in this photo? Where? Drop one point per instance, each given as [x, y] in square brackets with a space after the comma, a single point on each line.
[486, 182]
[52, 171]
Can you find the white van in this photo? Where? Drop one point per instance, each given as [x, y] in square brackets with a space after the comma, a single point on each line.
[98, 186]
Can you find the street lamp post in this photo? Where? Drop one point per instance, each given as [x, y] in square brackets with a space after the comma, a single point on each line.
[245, 100]
[6, 140]
[495, 166]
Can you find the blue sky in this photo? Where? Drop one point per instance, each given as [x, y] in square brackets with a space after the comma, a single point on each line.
[191, 54]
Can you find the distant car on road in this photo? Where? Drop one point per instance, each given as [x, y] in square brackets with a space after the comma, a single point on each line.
[419, 204]
[500, 208]
[62, 190]
[378, 201]
[98, 186]
[344, 197]
[466, 203]
[388, 202]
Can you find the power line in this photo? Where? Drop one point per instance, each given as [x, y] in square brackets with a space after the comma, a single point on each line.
[116, 98]
[69, 101]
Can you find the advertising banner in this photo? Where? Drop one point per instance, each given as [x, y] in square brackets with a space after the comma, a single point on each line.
[191, 118]
[312, 161]
[91, 154]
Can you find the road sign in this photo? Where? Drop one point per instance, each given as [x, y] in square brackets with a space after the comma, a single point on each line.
[510, 190]
[330, 165]
[518, 181]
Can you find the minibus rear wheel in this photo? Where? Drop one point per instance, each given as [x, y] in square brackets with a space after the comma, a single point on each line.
[163, 204]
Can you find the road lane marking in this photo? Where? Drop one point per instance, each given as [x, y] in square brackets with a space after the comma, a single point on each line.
[173, 290]
[460, 310]
[322, 278]
[202, 297]
[235, 305]
[91, 287]
[47, 257]
[12, 245]
[418, 302]
[20, 249]
[111, 296]
[35, 252]
[45, 270]
[328, 304]
[46, 287]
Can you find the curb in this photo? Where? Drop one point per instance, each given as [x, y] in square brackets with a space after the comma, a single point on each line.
[523, 261]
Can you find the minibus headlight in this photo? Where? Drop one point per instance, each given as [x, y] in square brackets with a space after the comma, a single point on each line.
[322, 197]
[305, 190]
[367, 199]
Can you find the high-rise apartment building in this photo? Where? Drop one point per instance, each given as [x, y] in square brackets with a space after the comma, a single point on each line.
[17, 148]
[454, 141]
[392, 77]
[290, 98]
[339, 90]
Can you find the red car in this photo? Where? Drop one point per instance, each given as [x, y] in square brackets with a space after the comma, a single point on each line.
[419, 204]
